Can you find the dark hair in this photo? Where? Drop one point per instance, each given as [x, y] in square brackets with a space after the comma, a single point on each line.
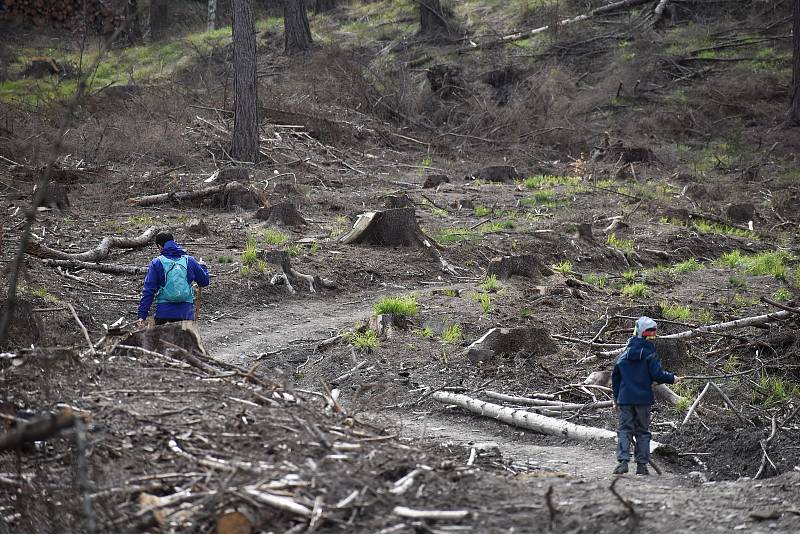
[163, 237]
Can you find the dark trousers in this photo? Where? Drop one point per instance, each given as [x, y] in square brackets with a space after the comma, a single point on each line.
[634, 423]
[160, 321]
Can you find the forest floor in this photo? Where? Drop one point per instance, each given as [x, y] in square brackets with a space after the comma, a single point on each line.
[265, 416]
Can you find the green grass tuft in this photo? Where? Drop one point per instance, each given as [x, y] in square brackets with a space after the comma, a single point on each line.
[491, 284]
[250, 258]
[596, 280]
[274, 237]
[563, 267]
[776, 390]
[485, 300]
[367, 340]
[675, 312]
[635, 290]
[782, 295]
[625, 245]
[452, 334]
[397, 305]
[688, 266]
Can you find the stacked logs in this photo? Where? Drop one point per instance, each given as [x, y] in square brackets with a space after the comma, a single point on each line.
[64, 13]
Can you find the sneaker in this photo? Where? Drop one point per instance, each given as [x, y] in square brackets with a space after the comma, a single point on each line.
[621, 468]
[641, 469]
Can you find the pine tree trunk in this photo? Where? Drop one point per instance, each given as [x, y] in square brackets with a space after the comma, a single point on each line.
[432, 18]
[159, 17]
[245, 122]
[321, 6]
[132, 17]
[212, 15]
[794, 107]
[296, 28]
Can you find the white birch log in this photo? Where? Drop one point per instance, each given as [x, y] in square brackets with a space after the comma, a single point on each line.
[410, 513]
[212, 15]
[566, 22]
[552, 404]
[696, 403]
[719, 327]
[278, 501]
[658, 12]
[531, 421]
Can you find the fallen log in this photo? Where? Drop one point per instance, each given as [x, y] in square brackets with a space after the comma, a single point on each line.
[719, 327]
[580, 18]
[410, 513]
[551, 404]
[100, 252]
[101, 267]
[37, 430]
[531, 421]
[230, 194]
[660, 391]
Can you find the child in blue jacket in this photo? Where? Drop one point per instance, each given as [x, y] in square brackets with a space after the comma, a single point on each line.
[634, 373]
[169, 281]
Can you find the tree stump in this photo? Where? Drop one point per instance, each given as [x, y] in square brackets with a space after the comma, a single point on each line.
[584, 232]
[505, 174]
[25, 327]
[433, 19]
[233, 174]
[392, 227]
[56, 197]
[281, 214]
[237, 198]
[286, 189]
[740, 213]
[525, 341]
[385, 324]
[527, 266]
[446, 80]
[435, 180]
[400, 201]
[166, 337]
[197, 227]
[289, 274]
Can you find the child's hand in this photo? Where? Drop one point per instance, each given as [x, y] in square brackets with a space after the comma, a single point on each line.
[678, 380]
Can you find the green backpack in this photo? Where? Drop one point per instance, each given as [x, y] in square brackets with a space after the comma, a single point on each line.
[176, 286]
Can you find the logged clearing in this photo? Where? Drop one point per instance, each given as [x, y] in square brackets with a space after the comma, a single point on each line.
[447, 231]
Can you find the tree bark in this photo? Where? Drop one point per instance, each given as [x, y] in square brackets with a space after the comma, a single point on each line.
[432, 18]
[159, 18]
[245, 101]
[322, 6]
[794, 107]
[132, 16]
[212, 15]
[296, 29]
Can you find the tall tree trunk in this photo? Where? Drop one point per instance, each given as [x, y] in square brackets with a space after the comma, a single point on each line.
[296, 28]
[794, 107]
[245, 99]
[321, 6]
[132, 17]
[212, 15]
[159, 19]
[432, 18]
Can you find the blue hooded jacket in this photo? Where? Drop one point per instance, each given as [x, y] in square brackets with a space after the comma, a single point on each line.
[156, 279]
[635, 371]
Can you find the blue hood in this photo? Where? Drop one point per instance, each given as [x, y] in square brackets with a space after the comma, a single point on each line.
[172, 250]
[639, 349]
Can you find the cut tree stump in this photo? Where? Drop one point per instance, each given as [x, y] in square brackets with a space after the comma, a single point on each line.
[281, 214]
[56, 197]
[532, 421]
[528, 266]
[435, 180]
[527, 340]
[505, 174]
[385, 324]
[584, 232]
[400, 201]
[391, 228]
[25, 327]
[286, 189]
[197, 227]
[289, 274]
[233, 174]
[161, 338]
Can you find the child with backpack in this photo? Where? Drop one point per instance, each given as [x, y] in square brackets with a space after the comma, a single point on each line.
[634, 373]
[169, 281]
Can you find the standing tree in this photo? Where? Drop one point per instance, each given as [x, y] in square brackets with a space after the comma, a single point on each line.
[321, 6]
[794, 106]
[432, 18]
[296, 28]
[159, 18]
[245, 98]
[212, 15]
[134, 33]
